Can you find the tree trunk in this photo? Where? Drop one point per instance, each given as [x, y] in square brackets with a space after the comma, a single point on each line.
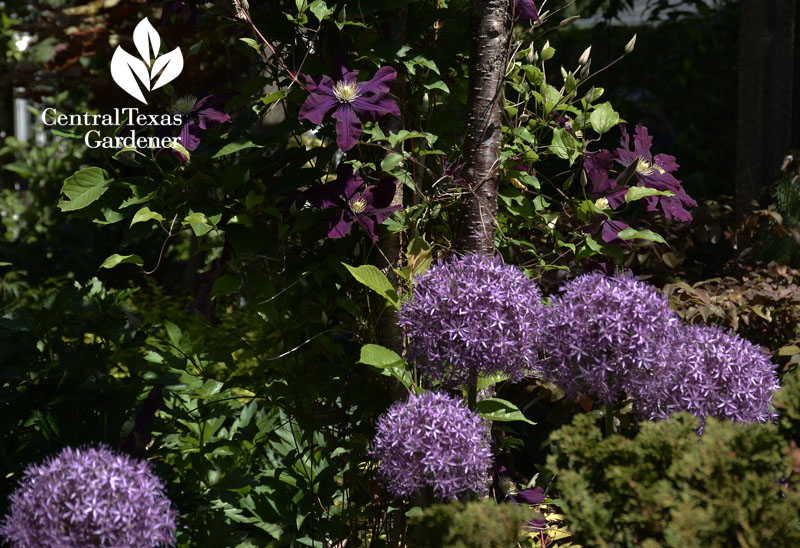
[764, 133]
[487, 65]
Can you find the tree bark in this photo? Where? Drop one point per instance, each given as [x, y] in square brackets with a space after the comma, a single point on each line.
[484, 132]
[764, 133]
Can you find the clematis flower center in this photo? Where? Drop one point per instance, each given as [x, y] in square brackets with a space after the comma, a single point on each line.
[646, 167]
[183, 105]
[346, 92]
[359, 205]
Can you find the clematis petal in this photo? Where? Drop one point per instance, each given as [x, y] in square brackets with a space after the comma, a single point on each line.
[318, 103]
[189, 141]
[315, 83]
[350, 182]
[611, 230]
[642, 142]
[325, 196]
[348, 126]
[339, 224]
[375, 107]
[525, 10]
[380, 83]
[382, 194]
[529, 496]
[369, 226]
[666, 162]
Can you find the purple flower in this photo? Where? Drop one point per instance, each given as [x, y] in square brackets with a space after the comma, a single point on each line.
[525, 10]
[90, 497]
[654, 172]
[352, 201]
[639, 167]
[721, 375]
[432, 441]
[609, 337]
[610, 229]
[349, 99]
[472, 316]
[198, 116]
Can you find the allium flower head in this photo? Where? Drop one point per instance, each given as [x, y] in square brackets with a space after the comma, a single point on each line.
[608, 337]
[90, 497]
[721, 375]
[349, 99]
[432, 440]
[472, 316]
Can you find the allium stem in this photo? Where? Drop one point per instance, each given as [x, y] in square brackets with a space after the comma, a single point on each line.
[472, 395]
[610, 427]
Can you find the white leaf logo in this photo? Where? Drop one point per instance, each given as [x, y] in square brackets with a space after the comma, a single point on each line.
[125, 68]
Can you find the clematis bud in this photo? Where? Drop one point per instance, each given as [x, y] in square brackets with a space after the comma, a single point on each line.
[630, 44]
[584, 58]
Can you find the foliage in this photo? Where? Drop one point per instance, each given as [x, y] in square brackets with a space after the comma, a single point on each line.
[483, 524]
[664, 487]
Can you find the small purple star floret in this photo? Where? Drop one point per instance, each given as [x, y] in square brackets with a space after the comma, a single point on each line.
[353, 202]
[349, 99]
[90, 497]
[610, 337]
[720, 375]
[472, 316]
[432, 441]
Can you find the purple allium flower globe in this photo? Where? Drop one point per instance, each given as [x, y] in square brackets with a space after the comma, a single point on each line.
[608, 337]
[472, 316]
[721, 375]
[432, 440]
[90, 497]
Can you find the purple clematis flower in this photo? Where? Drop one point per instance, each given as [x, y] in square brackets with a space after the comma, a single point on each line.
[349, 99]
[525, 10]
[654, 172]
[598, 166]
[198, 116]
[354, 202]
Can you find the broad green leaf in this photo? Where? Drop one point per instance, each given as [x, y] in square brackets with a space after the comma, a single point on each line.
[638, 192]
[565, 146]
[230, 148]
[321, 10]
[633, 234]
[180, 148]
[225, 285]
[374, 279]
[117, 259]
[391, 161]
[483, 382]
[441, 86]
[145, 214]
[252, 43]
[378, 356]
[274, 96]
[603, 117]
[500, 410]
[83, 188]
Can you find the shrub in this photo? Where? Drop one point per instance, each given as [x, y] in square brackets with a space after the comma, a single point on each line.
[732, 487]
[479, 524]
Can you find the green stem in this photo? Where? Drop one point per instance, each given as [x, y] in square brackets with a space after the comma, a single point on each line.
[472, 395]
[610, 429]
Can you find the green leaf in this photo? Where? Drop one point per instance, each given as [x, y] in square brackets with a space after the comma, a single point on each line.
[565, 146]
[500, 410]
[145, 214]
[175, 145]
[321, 10]
[633, 234]
[391, 161]
[225, 285]
[230, 148]
[374, 279]
[83, 188]
[117, 259]
[252, 43]
[603, 117]
[638, 192]
[441, 86]
[490, 380]
[274, 96]
[378, 356]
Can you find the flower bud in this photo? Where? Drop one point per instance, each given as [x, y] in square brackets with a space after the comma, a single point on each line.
[630, 44]
[584, 58]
